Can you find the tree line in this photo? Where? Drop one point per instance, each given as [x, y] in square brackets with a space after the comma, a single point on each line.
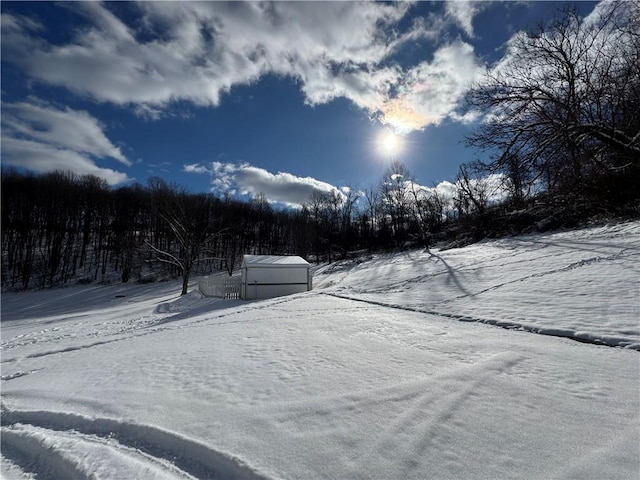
[61, 227]
[560, 142]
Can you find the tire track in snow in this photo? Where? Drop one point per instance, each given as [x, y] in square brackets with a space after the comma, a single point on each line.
[69, 454]
[189, 456]
[150, 329]
[74, 348]
[34, 456]
[11, 376]
[428, 412]
[580, 337]
[410, 414]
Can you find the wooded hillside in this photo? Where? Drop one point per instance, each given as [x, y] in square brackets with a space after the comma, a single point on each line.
[560, 141]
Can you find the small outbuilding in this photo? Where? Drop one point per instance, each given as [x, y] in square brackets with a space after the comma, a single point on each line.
[267, 276]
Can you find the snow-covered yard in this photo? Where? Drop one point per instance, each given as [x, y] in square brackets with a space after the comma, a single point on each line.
[395, 367]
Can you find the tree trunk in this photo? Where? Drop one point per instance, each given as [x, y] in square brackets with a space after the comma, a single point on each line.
[185, 281]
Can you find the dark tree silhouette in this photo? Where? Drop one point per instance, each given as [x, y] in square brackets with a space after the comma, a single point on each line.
[564, 102]
[192, 224]
[396, 198]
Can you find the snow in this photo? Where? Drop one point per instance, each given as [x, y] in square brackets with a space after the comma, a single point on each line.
[393, 367]
[267, 261]
[582, 285]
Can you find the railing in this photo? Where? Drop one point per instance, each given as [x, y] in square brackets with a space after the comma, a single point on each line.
[221, 286]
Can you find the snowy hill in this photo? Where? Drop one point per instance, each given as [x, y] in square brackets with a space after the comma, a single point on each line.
[579, 284]
[393, 367]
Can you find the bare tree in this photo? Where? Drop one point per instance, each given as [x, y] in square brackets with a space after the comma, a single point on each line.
[317, 207]
[192, 224]
[372, 197]
[474, 190]
[396, 198]
[427, 210]
[348, 201]
[565, 99]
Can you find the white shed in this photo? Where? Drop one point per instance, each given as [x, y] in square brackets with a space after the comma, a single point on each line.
[267, 276]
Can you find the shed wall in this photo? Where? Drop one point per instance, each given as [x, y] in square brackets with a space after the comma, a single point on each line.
[271, 282]
[277, 275]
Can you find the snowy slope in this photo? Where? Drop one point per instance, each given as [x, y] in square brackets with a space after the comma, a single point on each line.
[580, 284]
[371, 375]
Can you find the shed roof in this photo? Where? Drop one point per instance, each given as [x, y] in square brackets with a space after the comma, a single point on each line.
[273, 261]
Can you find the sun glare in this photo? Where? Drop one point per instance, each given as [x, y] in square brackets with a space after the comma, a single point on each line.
[389, 143]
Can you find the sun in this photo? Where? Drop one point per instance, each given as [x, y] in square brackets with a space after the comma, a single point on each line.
[389, 143]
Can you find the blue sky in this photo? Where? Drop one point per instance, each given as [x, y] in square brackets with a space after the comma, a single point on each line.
[279, 98]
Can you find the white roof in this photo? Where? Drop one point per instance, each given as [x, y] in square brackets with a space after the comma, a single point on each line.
[269, 261]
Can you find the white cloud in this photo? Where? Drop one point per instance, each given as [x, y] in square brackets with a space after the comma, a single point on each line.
[41, 137]
[196, 168]
[63, 128]
[245, 179]
[462, 13]
[43, 158]
[16, 24]
[622, 12]
[206, 48]
[445, 189]
[291, 190]
[431, 91]
[195, 52]
[470, 116]
[492, 185]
